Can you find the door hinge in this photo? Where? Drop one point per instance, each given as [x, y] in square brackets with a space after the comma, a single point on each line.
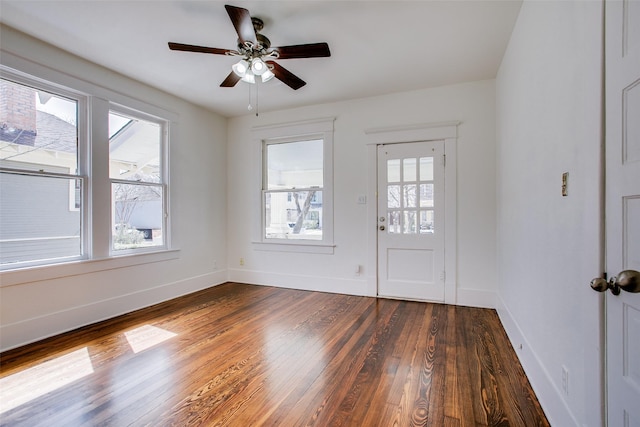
[444, 160]
[443, 275]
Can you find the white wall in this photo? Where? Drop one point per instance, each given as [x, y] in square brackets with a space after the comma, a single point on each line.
[548, 109]
[41, 302]
[472, 103]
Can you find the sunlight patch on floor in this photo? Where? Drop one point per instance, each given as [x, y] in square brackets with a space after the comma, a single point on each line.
[24, 386]
[146, 337]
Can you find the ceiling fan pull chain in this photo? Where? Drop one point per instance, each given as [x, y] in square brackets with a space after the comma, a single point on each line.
[257, 107]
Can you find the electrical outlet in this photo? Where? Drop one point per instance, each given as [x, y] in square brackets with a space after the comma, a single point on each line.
[565, 380]
[241, 261]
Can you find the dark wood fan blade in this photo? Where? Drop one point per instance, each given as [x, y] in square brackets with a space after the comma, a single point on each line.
[312, 50]
[286, 76]
[200, 49]
[241, 20]
[231, 80]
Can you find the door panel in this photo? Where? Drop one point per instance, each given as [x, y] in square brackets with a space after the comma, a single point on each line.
[411, 220]
[622, 86]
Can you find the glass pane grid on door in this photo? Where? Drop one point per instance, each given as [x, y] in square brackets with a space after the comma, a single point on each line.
[410, 195]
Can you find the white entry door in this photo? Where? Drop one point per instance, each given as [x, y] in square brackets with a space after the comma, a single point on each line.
[623, 210]
[411, 220]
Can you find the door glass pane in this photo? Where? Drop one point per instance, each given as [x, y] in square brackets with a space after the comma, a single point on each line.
[409, 168]
[409, 222]
[393, 196]
[426, 222]
[426, 195]
[393, 170]
[138, 216]
[426, 168]
[39, 219]
[394, 222]
[409, 194]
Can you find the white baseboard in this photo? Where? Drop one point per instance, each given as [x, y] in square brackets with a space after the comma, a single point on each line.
[476, 298]
[357, 286]
[549, 396]
[32, 330]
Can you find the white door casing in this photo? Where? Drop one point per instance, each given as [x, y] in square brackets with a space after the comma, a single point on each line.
[622, 117]
[442, 131]
[411, 221]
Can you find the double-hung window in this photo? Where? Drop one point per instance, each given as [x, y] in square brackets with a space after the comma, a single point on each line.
[58, 203]
[293, 190]
[138, 183]
[297, 186]
[42, 176]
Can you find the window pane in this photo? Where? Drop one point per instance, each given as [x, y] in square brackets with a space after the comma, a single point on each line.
[295, 165]
[37, 219]
[426, 169]
[134, 148]
[38, 129]
[138, 219]
[393, 170]
[293, 215]
[409, 168]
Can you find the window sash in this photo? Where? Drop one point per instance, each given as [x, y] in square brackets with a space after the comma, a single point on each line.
[307, 130]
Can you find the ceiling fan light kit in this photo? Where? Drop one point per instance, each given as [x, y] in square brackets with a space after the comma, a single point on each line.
[257, 56]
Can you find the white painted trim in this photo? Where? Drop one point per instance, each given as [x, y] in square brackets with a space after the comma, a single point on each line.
[75, 268]
[412, 133]
[336, 285]
[303, 246]
[447, 131]
[476, 298]
[295, 129]
[451, 222]
[31, 330]
[550, 397]
[321, 128]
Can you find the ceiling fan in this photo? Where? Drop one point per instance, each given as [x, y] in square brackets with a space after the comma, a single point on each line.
[257, 55]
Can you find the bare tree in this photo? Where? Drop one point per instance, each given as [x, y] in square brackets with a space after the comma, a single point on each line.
[302, 211]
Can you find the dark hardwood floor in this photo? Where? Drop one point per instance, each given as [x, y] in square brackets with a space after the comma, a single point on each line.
[241, 355]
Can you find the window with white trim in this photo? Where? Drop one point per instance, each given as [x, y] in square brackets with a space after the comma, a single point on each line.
[297, 185]
[293, 190]
[51, 190]
[41, 184]
[138, 184]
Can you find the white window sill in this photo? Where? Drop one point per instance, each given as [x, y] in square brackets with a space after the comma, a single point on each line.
[75, 268]
[297, 246]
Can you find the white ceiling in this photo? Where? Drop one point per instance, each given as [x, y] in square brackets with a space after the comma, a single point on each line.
[377, 47]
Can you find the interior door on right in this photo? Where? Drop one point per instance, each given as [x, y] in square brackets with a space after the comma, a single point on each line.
[622, 87]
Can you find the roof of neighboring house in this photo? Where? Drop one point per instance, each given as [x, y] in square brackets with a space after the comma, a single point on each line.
[53, 134]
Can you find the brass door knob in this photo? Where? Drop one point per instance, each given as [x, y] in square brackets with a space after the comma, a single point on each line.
[627, 280]
[382, 228]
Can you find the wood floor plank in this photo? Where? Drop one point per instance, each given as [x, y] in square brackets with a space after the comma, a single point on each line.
[258, 356]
